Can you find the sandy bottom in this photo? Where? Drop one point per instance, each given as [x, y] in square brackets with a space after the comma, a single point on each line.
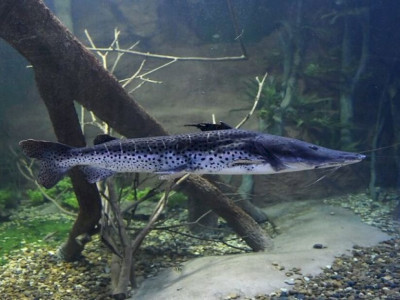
[301, 225]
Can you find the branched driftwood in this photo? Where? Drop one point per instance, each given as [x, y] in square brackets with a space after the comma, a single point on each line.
[115, 48]
[66, 71]
[124, 249]
[112, 224]
[170, 57]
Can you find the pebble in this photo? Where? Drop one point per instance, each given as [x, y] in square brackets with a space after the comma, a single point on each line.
[232, 296]
[369, 273]
[34, 272]
[284, 290]
[289, 281]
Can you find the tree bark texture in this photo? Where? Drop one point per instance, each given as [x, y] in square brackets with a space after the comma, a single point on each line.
[65, 71]
[30, 27]
[237, 219]
[16, 27]
[256, 213]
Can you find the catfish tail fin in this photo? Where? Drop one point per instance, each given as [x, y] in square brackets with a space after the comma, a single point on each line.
[51, 156]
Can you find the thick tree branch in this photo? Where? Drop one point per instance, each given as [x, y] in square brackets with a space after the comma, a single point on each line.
[66, 71]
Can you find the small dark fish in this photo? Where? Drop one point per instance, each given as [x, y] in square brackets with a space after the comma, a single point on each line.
[228, 151]
[211, 126]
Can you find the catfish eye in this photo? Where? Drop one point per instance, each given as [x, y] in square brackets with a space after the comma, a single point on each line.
[313, 148]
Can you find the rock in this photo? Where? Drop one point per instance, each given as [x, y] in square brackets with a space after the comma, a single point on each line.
[289, 281]
[318, 246]
[232, 296]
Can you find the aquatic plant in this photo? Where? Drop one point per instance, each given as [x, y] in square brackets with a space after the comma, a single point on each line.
[314, 69]
[7, 198]
[20, 232]
[132, 194]
[62, 193]
[269, 103]
[312, 115]
[36, 197]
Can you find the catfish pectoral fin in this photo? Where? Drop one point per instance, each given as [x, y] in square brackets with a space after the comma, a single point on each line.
[246, 162]
[261, 149]
[173, 173]
[170, 175]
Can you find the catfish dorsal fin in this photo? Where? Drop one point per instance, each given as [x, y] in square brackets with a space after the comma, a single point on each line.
[103, 138]
[211, 126]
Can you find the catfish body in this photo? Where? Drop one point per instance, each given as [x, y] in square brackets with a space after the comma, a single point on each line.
[228, 151]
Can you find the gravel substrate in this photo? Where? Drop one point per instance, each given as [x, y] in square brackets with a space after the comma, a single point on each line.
[371, 273]
[35, 272]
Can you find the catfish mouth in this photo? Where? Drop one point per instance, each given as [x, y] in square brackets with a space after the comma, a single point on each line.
[342, 161]
[353, 158]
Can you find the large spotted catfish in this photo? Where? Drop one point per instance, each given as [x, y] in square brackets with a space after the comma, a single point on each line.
[218, 149]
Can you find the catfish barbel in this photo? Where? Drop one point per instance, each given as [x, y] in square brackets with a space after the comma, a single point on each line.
[221, 151]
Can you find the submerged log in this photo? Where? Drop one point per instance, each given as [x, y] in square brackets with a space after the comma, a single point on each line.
[66, 71]
[56, 55]
[31, 29]
[237, 219]
[256, 213]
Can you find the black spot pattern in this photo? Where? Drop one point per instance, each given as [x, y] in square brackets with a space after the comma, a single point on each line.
[204, 152]
[220, 151]
[53, 157]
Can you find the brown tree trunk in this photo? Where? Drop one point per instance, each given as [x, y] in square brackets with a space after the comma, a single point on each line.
[237, 219]
[256, 213]
[31, 28]
[66, 71]
[17, 27]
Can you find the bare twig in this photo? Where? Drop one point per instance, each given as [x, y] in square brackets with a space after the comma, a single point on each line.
[160, 206]
[169, 57]
[103, 56]
[28, 174]
[256, 100]
[116, 40]
[207, 239]
[127, 81]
